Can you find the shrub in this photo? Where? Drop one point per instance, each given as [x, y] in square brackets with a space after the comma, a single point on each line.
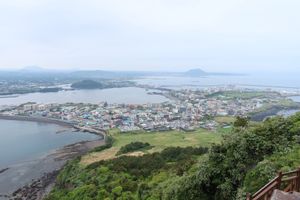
[133, 146]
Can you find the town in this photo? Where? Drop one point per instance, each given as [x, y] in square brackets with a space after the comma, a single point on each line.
[187, 110]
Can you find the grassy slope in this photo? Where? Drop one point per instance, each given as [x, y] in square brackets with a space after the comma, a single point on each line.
[225, 119]
[242, 95]
[160, 140]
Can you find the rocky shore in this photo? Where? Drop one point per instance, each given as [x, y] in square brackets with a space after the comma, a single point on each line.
[48, 167]
[37, 189]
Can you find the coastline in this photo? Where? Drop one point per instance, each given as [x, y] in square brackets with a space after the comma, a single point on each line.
[273, 111]
[37, 188]
[37, 119]
[98, 132]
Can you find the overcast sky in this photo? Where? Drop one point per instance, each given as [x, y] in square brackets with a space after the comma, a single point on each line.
[223, 35]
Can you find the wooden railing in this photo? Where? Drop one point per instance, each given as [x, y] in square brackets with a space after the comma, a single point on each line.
[287, 182]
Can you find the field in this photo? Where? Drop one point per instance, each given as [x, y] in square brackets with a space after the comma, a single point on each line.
[242, 94]
[159, 141]
[225, 119]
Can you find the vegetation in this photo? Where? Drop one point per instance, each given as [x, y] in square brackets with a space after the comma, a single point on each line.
[242, 94]
[271, 109]
[243, 161]
[158, 140]
[126, 177]
[101, 84]
[224, 119]
[241, 122]
[133, 146]
[109, 140]
[87, 84]
[267, 169]
[223, 174]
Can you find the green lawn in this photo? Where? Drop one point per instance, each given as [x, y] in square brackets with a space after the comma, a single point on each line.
[159, 141]
[225, 119]
[242, 94]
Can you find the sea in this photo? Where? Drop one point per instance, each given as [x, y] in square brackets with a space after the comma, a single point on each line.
[127, 95]
[24, 147]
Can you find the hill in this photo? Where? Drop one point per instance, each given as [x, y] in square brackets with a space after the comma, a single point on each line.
[245, 159]
[32, 69]
[87, 84]
[195, 72]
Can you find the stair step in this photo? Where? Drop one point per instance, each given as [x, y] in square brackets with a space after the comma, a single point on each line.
[297, 194]
[280, 195]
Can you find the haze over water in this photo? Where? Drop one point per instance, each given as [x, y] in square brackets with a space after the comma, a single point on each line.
[267, 80]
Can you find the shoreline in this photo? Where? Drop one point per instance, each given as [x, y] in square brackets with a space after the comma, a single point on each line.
[99, 132]
[37, 119]
[38, 188]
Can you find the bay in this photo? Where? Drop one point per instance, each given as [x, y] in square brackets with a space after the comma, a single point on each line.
[21, 141]
[28, 150]
[128, 95]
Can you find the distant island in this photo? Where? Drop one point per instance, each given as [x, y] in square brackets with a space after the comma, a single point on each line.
[37, 79]
[39, 73]
[195, 72]
[103, 84]
[87, 84]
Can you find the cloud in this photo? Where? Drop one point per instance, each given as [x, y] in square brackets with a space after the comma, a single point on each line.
[132, 34]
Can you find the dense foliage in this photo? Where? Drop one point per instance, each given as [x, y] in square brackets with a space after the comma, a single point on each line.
[222, 175]
[133, 146]
[267, 169]
[241, 122]
[87, 84]
[246, 159]
[126, 177]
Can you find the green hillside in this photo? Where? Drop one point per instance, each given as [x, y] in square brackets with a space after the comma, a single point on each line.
[243, 161]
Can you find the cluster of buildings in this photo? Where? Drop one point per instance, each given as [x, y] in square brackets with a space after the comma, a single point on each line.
[20, 87]
[188, 110]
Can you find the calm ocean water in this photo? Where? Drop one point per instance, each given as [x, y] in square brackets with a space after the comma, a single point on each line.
[249, 80]
[22, 141]
[134, 95]
[130, 95]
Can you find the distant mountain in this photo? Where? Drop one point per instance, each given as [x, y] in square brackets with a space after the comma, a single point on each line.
[32, 69]
[36, 72]
[87, 84]
[195, 72]
[199, 72]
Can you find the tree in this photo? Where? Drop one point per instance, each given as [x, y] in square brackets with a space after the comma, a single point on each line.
[241, 122]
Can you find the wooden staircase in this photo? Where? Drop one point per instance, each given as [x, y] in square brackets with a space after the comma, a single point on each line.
[285, 186]
[280, 195]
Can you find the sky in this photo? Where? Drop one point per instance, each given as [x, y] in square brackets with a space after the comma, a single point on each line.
[151, 35]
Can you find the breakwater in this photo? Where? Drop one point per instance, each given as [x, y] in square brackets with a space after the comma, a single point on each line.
[37, 119]
[99, 132]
